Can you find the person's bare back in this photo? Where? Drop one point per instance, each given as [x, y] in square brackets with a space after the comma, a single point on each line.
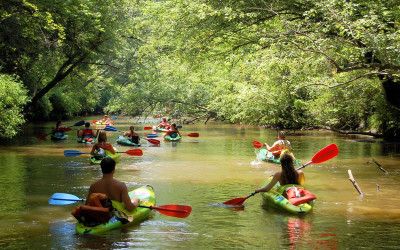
[114, 189]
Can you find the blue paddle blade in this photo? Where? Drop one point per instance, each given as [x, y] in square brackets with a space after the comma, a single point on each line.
[72, 153]
[179, 126]
[114, 118]
[80, 123]
[152, 135]
[110, 128]
[63, 199]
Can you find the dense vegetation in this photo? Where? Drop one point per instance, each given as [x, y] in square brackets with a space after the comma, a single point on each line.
[283, 63]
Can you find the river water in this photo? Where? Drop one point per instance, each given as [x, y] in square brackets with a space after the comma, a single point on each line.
[204, 172]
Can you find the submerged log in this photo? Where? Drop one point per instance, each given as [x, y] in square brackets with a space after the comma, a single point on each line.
[351, 178]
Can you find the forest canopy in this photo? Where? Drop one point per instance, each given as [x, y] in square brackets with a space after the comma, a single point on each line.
[293, 64]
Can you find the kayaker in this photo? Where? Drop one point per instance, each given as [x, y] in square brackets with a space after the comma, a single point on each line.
[133, 136]
[59, 128]
[105, 120]
[102, 143]
[114, 189]
[280, 145]
[87, 132]
[172, 129]
[164, 124]
[288, 175]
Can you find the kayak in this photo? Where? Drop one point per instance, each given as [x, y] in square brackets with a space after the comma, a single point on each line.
[126, 141]
[59, 136]
[108, 154]
[147, 198]
[266, 155]
[105, 123]
[274, 198]
[87, 140]
[157, 129]
[172, 137]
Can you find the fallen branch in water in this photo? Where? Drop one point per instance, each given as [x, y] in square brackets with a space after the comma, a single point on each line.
[351, 178]
[380, 167]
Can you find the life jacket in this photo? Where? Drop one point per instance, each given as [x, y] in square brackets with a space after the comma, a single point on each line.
[108, 147]
[164, 125]
[99, 210]
[87, 132]
[298, 195]
[135, 139]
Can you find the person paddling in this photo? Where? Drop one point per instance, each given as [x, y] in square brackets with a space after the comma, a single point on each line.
[102, 144]
[280, 145]
[114, 189]
[288, 175]
[164, 124]
[172, 130]
[133, 136]
[87, 133]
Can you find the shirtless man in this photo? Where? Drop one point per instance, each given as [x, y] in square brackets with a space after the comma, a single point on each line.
[114, 189]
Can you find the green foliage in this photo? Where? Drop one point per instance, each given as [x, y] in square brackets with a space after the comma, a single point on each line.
[13, 96]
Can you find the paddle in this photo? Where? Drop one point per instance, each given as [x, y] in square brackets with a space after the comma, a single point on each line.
[191, 134]
[151, 128]
[180, 211]
[324, 154]
[73, 153]
[257, 144]
[80, 123]
[113, 129]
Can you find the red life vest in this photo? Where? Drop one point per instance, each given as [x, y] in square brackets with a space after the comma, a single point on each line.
[98, 211]
[86, 132]
[297, 196]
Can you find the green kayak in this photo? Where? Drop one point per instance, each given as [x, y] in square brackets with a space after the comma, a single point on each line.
[275, 199]
[172, 137]
[266, 155]
[126, 141]
[147, 198]
[87, 140]
[115, 156]
[59, 136]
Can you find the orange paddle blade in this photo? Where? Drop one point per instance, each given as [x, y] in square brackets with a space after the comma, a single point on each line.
[193, 135]
[153, 141]
[148, 128]
[94, 121]
[326, 153]
[257, 144]
[136, 152]
[180, 211]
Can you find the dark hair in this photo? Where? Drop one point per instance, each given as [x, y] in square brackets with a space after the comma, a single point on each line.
[102, 136]
[282, 134]
[131, 128]
[289, 174]
[58, 123]
[87, 124]
[107, 165]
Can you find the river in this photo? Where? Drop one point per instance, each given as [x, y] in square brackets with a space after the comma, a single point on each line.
[203, 172]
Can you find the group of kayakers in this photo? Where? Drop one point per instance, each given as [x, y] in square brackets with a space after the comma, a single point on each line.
[117, 190]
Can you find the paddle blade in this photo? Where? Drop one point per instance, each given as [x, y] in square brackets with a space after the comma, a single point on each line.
[80, 123]
[235, 201]
[73, 153]
[113, 118]
[152, 135]
[179, 211]
[110, 128]
[326, 153]
[148, 128]
[257, 144]
[136, 152]
[63, 199]
[94, 121]
[42, 136]
[64, 129]
[193, 135]
[153, 141]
